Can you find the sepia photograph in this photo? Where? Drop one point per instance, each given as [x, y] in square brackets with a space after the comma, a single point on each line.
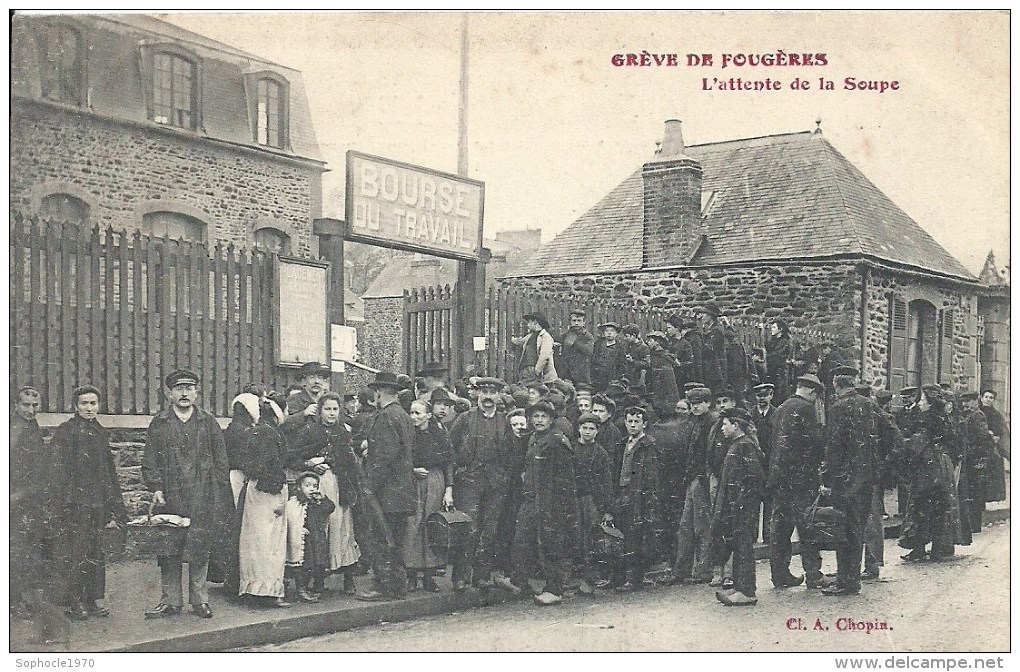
[521, 331]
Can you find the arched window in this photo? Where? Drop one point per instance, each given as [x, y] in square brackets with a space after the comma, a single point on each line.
[64, 208]
[173, 225]
[174, 90]
[270, 114]
[62, 64]
[272, 240]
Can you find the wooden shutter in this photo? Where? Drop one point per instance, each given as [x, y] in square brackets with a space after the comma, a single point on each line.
[947, 332]
[897, 343]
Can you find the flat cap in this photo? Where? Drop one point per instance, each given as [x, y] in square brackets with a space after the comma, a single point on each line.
[490, 383]
[542, 405]
[699, 394]
[845, 370]
[181, 377]
[588, 417]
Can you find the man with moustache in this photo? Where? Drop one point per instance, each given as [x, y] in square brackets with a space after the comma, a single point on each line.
[762, 415]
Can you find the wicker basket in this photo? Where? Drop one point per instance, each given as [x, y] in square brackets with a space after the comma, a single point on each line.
[149, 539]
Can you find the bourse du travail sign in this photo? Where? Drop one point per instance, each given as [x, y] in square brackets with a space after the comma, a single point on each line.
[398, 205]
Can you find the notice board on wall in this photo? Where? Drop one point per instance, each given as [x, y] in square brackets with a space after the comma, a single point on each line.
[302, 333]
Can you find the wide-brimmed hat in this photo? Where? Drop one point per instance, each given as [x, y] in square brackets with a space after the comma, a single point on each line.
[810, 380]
[313, 368]
[537, 317]
[386, 379]
[432, 370]
[440, 396]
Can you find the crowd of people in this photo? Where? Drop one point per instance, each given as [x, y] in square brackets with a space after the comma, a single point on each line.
[612, 463]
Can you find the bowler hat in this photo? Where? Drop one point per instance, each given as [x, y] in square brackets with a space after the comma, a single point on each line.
[810, 380]
[537, 317]
[181, 377]
[845, 370]
[432, 370]
[542, 405]
[440, 396]
[313, 368]
[712, 309]
[386, 379]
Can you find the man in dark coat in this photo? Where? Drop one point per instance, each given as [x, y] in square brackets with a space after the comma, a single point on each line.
[185, 467]
[849, 473]
[482, 453]
[609, 437]
[978, 454]
[546, 531]
[31, 543]
[906, 419]
[609, 357]
[578, 344]
[667, 431]
[714, 354]
[637, 355]
[595, 490]
[762, 415]
[660, 378]
[693, 541]
[792, 482]
[737, 373]
[636, 509]
[389, 487]
[735, 514]
[303, 404]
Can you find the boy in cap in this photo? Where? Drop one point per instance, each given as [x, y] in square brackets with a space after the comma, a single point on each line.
[547, 520]
[735, 515]
[609, 358]
[443, 407]
[762, 416]
[520, 436]
[714, 354]
[609, 436]
[692, 558]
[636, 507]
[594, 490]
[637, 354]
[682, 338]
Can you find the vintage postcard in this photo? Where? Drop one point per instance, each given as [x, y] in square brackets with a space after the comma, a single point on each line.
[671, 331]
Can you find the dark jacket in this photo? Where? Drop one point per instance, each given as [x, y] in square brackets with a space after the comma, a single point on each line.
[608, 363]
[741, 486]
[389, 474]
[549, 477]
[641, 496]
[777, 353]
[84, 476]
[235, 439]
[764, 423]
[267, 456]
[195, 479]
[696, 371]
[638, 356]
[851, 448]
[476, 458]
[574, 362]
[797, 450]
[661, 381]
[694, 442]
[334, 443]
[714, 357]
[433, 450]
[737, 373]
[683, 361]
[594, 479]
[31, 475]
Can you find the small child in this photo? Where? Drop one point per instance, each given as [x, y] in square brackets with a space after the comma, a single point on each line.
[308, 514]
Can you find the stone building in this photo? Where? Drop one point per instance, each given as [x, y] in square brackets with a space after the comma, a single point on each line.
[777, 226]
[129, 122]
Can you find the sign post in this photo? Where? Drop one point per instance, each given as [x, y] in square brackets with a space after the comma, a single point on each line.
[300, 311]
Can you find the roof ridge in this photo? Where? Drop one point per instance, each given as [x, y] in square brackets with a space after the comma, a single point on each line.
[848, 218]
[755, 137]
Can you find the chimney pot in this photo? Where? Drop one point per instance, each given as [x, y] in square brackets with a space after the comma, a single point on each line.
[673, 139]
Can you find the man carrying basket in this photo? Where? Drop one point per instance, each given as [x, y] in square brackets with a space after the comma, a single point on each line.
[185, 468]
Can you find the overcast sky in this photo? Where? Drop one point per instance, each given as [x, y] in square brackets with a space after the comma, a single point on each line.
[553, 125]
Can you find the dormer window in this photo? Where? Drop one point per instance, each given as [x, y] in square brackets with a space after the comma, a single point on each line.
[62, 64]
[174, 90]
[268, 107]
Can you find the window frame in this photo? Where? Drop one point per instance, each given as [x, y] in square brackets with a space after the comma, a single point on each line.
[149, 53]
[148, 230]
[49, 31]
[86, 207]
[285, 248]
[252, 81]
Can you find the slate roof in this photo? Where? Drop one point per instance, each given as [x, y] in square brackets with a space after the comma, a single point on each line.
[779, 197]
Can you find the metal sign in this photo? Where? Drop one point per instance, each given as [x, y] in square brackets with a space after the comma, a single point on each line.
[407, 207]
[301, 317]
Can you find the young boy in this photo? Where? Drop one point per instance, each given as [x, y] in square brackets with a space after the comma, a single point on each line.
[519, 438]
[308, 514]
[636, 505]
[609, 437]
[547, 520]
[609, 360]
[594, 490]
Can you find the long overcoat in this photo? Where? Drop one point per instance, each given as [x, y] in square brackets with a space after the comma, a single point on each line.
[797, 450]
[389, 466]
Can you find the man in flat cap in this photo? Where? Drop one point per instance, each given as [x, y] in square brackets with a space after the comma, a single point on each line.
[389, 488]
[577, 345]
[714, 354]
[762, 415]
[693, 564]
[609, 359]
[482, 454]
[185, 467]
[536, 361]
[313, 378]
[685, 345]
[660, 378]
[849, 473]
[792, 482]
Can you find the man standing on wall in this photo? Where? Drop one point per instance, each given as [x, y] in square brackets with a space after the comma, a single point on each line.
[185, 467]
[578, 344]
[536, 361]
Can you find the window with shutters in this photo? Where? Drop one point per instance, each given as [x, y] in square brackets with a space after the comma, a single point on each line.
[897, 342]
[947, 332]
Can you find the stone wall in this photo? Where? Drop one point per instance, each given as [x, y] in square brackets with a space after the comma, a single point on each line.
[381, 341]
[818, 296]
[125, 171]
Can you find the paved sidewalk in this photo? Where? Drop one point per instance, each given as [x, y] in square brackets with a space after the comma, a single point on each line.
[133, 587]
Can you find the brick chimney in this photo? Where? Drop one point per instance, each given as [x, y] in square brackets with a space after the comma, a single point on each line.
[672, 202]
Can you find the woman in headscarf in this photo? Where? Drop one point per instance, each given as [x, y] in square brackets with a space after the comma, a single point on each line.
[433, 472]
[955, 450]
[777, 355]
[263, 535]
[927, 466]
[87, 498]
[324, 447]
[245, 413]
